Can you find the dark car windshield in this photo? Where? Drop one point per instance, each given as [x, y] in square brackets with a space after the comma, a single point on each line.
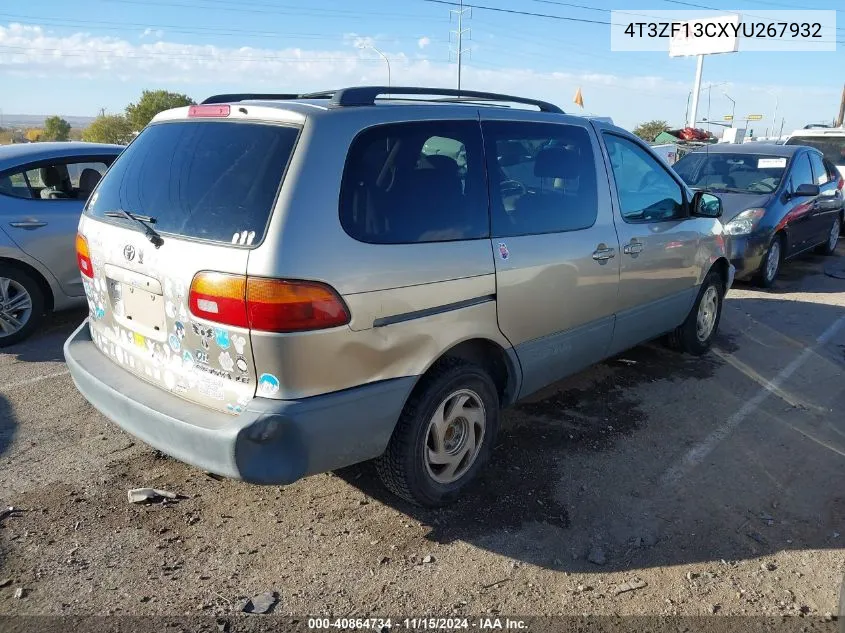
[741, 173]
[833, 147]
[209, 180]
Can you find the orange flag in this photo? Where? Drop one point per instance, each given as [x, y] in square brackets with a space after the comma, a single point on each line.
[579, 99]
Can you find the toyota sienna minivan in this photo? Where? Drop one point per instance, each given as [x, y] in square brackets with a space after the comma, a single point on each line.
[282, 285]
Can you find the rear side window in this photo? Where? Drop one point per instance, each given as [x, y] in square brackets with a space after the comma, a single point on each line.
[415, 182]
[208, 180]
[542, 178]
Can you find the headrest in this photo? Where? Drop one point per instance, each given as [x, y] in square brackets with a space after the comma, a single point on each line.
[556, 162]
[88, 179]
[511, 153]
[51, 176]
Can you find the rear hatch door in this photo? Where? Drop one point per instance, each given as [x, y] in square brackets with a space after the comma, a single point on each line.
[210, 186]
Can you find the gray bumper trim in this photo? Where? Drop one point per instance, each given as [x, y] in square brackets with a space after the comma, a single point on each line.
[271, 442]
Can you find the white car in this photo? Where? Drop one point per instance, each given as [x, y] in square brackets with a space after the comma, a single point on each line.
[830, 141]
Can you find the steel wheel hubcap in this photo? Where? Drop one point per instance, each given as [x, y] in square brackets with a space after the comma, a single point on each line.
[773, 261]
[834, 235]
[454, 436]
[707, 311]
[15, 306]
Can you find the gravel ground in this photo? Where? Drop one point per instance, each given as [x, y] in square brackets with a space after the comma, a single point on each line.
[651, 484]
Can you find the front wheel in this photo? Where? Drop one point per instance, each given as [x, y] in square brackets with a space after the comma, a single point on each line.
[770, 266]
[21, 306]
[695, 335]
[444, 435]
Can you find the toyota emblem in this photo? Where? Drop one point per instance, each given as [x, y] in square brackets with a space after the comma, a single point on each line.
[129, 252]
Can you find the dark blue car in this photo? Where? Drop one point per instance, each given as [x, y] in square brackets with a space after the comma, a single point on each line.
[778, 201]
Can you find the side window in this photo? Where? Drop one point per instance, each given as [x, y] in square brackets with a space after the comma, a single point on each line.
[646, 191]
[801, 172]
[415, 182]
[819, 171]
[542, 177]
[15, 185]
[65, 180]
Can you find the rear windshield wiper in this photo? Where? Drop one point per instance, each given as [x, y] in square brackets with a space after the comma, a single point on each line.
[142, 220]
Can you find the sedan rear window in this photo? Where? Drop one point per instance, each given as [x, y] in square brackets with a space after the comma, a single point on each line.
[215, 181]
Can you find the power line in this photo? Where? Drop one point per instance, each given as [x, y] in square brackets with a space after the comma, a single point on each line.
[459, 34]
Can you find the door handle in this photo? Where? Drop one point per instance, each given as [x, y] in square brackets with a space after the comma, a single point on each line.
[28, 224]
[633, 248]
[602, 253]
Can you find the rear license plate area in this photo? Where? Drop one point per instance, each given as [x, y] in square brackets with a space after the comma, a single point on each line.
[139, 310]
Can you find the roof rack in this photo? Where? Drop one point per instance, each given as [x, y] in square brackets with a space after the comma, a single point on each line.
[367, 95]
[235, 97]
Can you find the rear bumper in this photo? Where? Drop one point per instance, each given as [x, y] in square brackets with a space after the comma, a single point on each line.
[271, 442]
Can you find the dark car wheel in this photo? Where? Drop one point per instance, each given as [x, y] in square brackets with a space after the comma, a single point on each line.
[695, 335]
[444, 436]
[770, 266]
[829, 247]
[21, 306]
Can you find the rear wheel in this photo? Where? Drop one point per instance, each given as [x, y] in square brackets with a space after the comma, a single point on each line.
[695, 335]
[829, 247]
[21, 306]
[770, 266]
[444, 435]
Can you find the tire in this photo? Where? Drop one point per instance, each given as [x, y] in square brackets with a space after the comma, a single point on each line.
[413, 466]
[695, 335]
[18, 288]
[829, 247]
[765, 277]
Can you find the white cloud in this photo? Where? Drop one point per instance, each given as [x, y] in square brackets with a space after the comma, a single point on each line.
[423, 42]
[32, 51]
[155, 34]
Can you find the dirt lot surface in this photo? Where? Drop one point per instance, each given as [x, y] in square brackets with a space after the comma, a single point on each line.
[651, 484]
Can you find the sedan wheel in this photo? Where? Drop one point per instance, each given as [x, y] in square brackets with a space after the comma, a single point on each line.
[829, 247]
[21, 306]
[15, 307]
[708, 310]
[771, 263]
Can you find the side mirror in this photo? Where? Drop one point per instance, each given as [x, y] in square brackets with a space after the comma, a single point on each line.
[806, 190]
[706, 205]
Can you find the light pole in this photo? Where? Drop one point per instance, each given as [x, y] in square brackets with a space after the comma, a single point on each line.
[733, 107]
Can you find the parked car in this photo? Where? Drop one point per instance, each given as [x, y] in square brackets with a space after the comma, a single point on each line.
[43, 187]
[779, 201]
[830, 141]
[328, 279]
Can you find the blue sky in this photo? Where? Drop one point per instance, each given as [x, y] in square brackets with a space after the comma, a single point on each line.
[74, 58]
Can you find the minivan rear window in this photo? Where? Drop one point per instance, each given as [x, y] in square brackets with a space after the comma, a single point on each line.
[831, 146]
[209, 180]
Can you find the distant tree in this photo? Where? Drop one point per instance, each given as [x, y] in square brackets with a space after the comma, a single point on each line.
[108, 128]
[151, 103]
[55, 129]
[75, 134]
[648, 131]
[33, 134]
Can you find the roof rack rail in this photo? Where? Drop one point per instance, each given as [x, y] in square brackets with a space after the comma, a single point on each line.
[235, 97]
[367, 95]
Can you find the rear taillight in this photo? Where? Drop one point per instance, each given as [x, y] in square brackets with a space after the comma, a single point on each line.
[219, 297]
[83, 257]
[841, 183]
[269, 305]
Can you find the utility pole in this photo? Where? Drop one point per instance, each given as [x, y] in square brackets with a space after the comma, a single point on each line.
[841, 118]
[459, 34]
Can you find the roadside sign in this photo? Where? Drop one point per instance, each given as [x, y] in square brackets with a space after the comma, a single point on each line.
[754, 117]
[729, 117]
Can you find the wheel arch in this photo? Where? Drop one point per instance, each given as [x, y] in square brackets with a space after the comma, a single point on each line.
[43, 284]
[502, 364]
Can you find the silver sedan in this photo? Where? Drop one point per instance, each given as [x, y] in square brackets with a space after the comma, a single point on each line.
[43, 187]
